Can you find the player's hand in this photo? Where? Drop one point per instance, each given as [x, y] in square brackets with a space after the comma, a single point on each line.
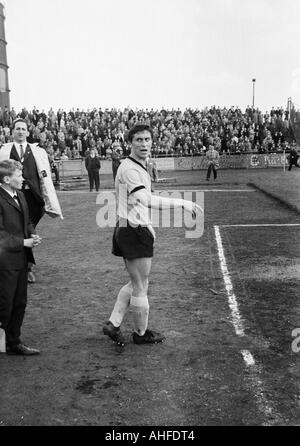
[193, 208]
[152, 231]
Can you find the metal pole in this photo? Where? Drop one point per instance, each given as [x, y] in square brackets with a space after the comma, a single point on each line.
[4, 91]
[253, 81]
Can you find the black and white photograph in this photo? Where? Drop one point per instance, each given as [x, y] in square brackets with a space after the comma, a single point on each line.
[149, 216]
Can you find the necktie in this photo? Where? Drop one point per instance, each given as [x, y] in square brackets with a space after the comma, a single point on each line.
[17, 200]
[21, 152]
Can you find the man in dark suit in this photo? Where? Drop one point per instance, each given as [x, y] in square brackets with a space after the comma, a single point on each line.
[92, 164]
[21, 151]
[293, 157]
[116, 155]
[17, 238]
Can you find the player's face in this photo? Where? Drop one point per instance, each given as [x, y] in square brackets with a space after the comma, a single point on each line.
[15, 181]
[141, 145]
[20, 132]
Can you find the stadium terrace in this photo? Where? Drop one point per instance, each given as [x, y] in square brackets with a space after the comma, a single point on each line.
[70, 134]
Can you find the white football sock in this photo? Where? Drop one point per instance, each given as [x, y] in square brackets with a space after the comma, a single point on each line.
[140, 307]
[121, 305]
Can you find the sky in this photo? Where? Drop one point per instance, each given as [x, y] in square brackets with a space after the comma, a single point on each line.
[152, 54]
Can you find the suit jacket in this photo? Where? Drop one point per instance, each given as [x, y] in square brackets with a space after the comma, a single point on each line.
[15, 226]
[37, 173]
[92, 163]
[116, 158]
[30, 172]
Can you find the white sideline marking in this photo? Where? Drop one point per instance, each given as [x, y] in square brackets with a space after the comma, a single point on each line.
[261, 224]
[204, 190]
[236, 318]
[258, 390]
[155, 190]
[193, 190]
[248, 358]
[255, 381]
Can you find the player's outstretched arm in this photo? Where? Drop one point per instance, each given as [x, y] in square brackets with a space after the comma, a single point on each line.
[156, 202]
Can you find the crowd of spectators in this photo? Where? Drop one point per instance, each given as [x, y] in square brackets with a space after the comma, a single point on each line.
[71, 134]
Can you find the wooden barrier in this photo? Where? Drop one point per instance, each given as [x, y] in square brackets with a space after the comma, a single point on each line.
[76, 168]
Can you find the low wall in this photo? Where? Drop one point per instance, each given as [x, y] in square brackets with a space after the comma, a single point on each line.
[244, 161]
[76, 168]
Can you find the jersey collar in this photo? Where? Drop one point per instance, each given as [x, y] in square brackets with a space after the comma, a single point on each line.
[135, 161]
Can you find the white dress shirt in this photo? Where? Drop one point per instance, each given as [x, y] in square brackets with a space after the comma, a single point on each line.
[12, 194]
[18, 148]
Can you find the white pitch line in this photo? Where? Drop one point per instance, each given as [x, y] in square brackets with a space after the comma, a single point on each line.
[204, 190]
[191, 190]
[256, 383]
[257, 386]
[155, 190]
[248, 358]
[235, 314]
[260, 225]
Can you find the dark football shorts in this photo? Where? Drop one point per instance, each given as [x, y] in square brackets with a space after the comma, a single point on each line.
[132, 242]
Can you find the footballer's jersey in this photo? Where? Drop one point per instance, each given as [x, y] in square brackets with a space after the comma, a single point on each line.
[131, 177]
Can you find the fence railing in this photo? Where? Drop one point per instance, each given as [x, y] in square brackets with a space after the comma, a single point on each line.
[76, 168]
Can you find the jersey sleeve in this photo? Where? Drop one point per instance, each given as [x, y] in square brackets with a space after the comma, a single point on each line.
[133, 180]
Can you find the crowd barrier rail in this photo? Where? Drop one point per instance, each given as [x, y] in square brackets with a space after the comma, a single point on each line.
[76, 168]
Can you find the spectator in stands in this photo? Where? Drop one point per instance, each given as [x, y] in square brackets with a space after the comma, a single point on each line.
[57, 154]
[116, 155]
[54, 167]
[175, 132]
[78, 144]
[268, 143]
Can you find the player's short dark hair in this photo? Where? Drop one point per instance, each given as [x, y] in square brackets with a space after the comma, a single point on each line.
[19, 120]
[8, 167]
[140, 127]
